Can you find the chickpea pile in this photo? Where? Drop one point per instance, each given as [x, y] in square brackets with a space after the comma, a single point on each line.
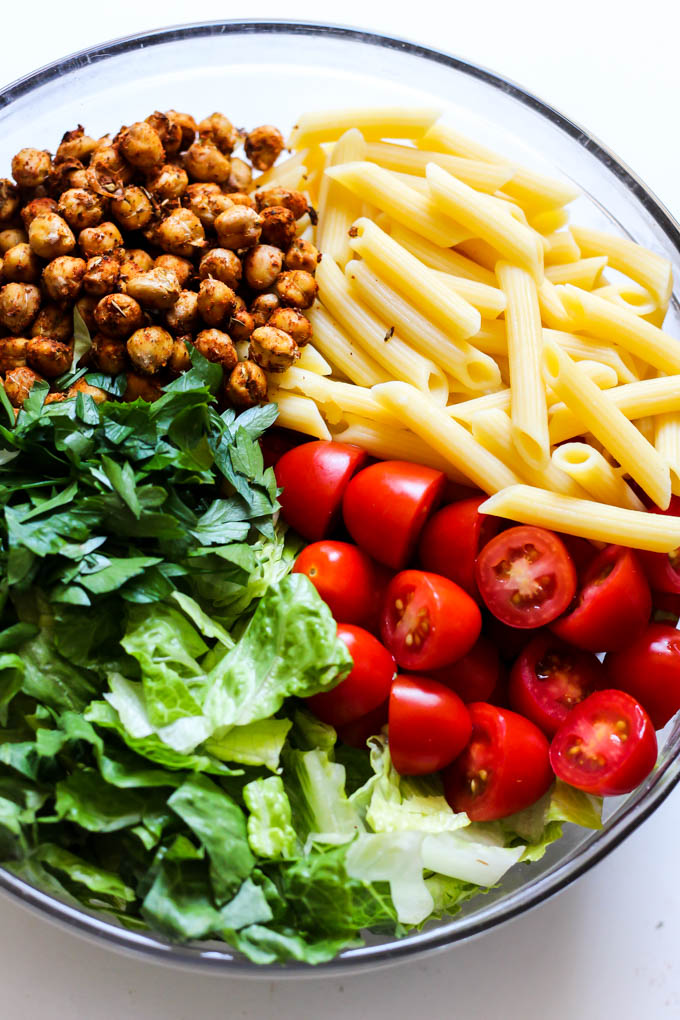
[158, 237]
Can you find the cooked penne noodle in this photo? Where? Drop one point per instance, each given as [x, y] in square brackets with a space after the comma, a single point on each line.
[312, 361]
[593, 473]
[482, 176]
[490, 302]
[374, 124]
[299, 413]
[394, 444]
[584, 273]
[653, 272]
[491, 337]
[599, 415]
[553, 312]
[525, 341]
[604, 377]
[338, 208]
[415, 281]
[342, 352]
[582, 348]
[560, 248]
[444, 259]
[667, 442]
[336, 398]
[635, 400]
[548, 220]
[466, 410]
[283, 173]
[629, 296]
[595, 521]
[480, 252]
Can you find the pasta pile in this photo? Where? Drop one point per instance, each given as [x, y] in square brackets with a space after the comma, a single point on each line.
[464, 323]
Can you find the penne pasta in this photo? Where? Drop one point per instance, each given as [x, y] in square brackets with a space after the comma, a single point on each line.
[312, 361]
[336, 398]
[466, 410]
[338, 208]
[585, 273]
[299, 413]
[374, 123]
[341, 351]
[482, 176]
[395, 444]
[553, 312]
[560, 247]
[282, 173]
[480, 252]
[593, 473]
[634, 400]
[667, 442]
[653, 272]
[547, 221]
[490, 302]
[446, 260]
[628, 295]
[582, 348]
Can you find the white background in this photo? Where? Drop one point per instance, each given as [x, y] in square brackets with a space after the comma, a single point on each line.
[608, 946]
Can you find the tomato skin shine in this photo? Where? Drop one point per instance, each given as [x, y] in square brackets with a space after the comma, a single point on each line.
[649, 670]
[344, 577]
[452, 538]
[428, 725]
[477, 676]
[366, 687]
[314, 477]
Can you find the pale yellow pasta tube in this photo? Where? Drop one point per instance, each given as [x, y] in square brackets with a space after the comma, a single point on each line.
[312, 361]
[548, 220]
[599, 415]
[651, 271]
[635, 299]
[635, 400]
[525, 341]
[337, 398]
[560, 248]
[480, 252]
[584, 273]
[299, 414]
[375, 336]
[585, 519]
[604, 377]
[342, 352]
[482, 176]
[553, 312]
[466, 410]
[373, 122]
[491, 337]
[449, 439]
[286, 174]
[490, 302]
[444, 259]
[338, 208]
[589, 468]
[394, 444]
[458, 358]
[517, 243]
[582, 348]
[414, 280]
[667, 442]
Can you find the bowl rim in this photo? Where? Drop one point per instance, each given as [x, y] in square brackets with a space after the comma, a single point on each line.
[646, 799]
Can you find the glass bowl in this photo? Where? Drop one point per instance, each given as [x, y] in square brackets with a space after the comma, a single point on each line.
[268, 72]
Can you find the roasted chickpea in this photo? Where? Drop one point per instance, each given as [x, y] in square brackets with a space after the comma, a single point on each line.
[99, 240]
[55, 398]
[240, 175]
[75, 145]
[86, 307]
[81, 208]
[187, 124]
[221, 264]
[180, 360]
[101, 275]
[238, 227]
[18, 384]
[21, 265]
[157, 289]
[302, 255]
[241, 198]
[99, 396]
[262, 308]
[50, 236]
[276, 195]
[262, 265]
[292, 322]
[184, 316]
[49, 357]
[30, 167]
[263, 146]
[132, 262]
[169, 131]
[63, 277]
[204, 162]
[217, 346]
[11, 237]
[109, 355]
[118, 315]
[181, 233]
[278, 226]
[207, 202]
[12, 352]
[108, 172]
[19, 304]
[141, 145]
[247, 385]
[134, 209]
[9, 199]
[182, 268]
[216, 302]
[38, 207]
[69, 173]
[296, 288]
[168, 183]
[272, 349]
[219, 129]
[241, 325]
[150, 349]
[140, 387]
[54, 322]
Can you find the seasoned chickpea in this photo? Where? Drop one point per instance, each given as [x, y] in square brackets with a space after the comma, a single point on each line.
[19, 304]
[140, 387]
[263, 146]
[241, 325]
[216, 302]
[134, 209]
[49, 357]
[182, 268]
[132, 262]
[180, 360]
[157, 289]
[241, 198]
[184, 316]
[221, 264]
[99, 240]
[150, 349]
[296, 288]
[238, 227]
[38, 207]
[69, 173]
[11, 237]
[81, 208]
[292, 322]
[262, 308]
[169, 131]
[276, 195]
[99, 396]
[217, 346]
[207, 202]
[272, 349]
[219, 129]
[141, 145]
[187, 124]
[204, 162]
[9, 199]
[118, 315]
[12, 352]
[21, 265]
[181, 233]
[109, 355]
[75, 145]
[30, 167]
[278, 226]
[262, 265]
[240, 175]
[101, 275]
[55, 398]
[18, 384]
[54, 322]
[63, 277]
[302, 255]
[50, 236]
[247, 385]
[108, 172]
[86, 307]
[168, 183]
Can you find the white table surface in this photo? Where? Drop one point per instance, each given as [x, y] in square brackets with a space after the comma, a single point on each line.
[608, 946]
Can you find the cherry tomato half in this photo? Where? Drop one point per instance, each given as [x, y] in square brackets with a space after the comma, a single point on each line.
[314, 477]
[649, 670]
[666, 607]
[452, 538]
[428, 725]
[277, 441]
[475, 677]
[503, 769]
[549, 678]
[386, 505]
[428, 621]
[526, 576]
[344, 577]
[357, 733]
[366, 687]
[612, 606]
[606, 746]
[663, 569]
[508, 640]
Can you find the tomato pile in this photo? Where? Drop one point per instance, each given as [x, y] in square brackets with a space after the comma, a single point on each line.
[474, 639]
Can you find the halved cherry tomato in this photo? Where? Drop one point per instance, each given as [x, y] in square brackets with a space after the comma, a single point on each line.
[606, 746]
[663, 569]
[344, 577]
[649, 670]
[428, 725]
[549, 678]
[581, 551]
[666, 607]
[427, 620]
[612, 606]
[475, 677]
[526, 576]
[366, 687]
[314, 477]
[508, 640]
[503, 769]
[277, 441]
[386, 505]
[357, 733]
[452, 538]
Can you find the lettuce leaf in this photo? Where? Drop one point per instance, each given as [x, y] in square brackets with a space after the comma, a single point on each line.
[270, 830]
